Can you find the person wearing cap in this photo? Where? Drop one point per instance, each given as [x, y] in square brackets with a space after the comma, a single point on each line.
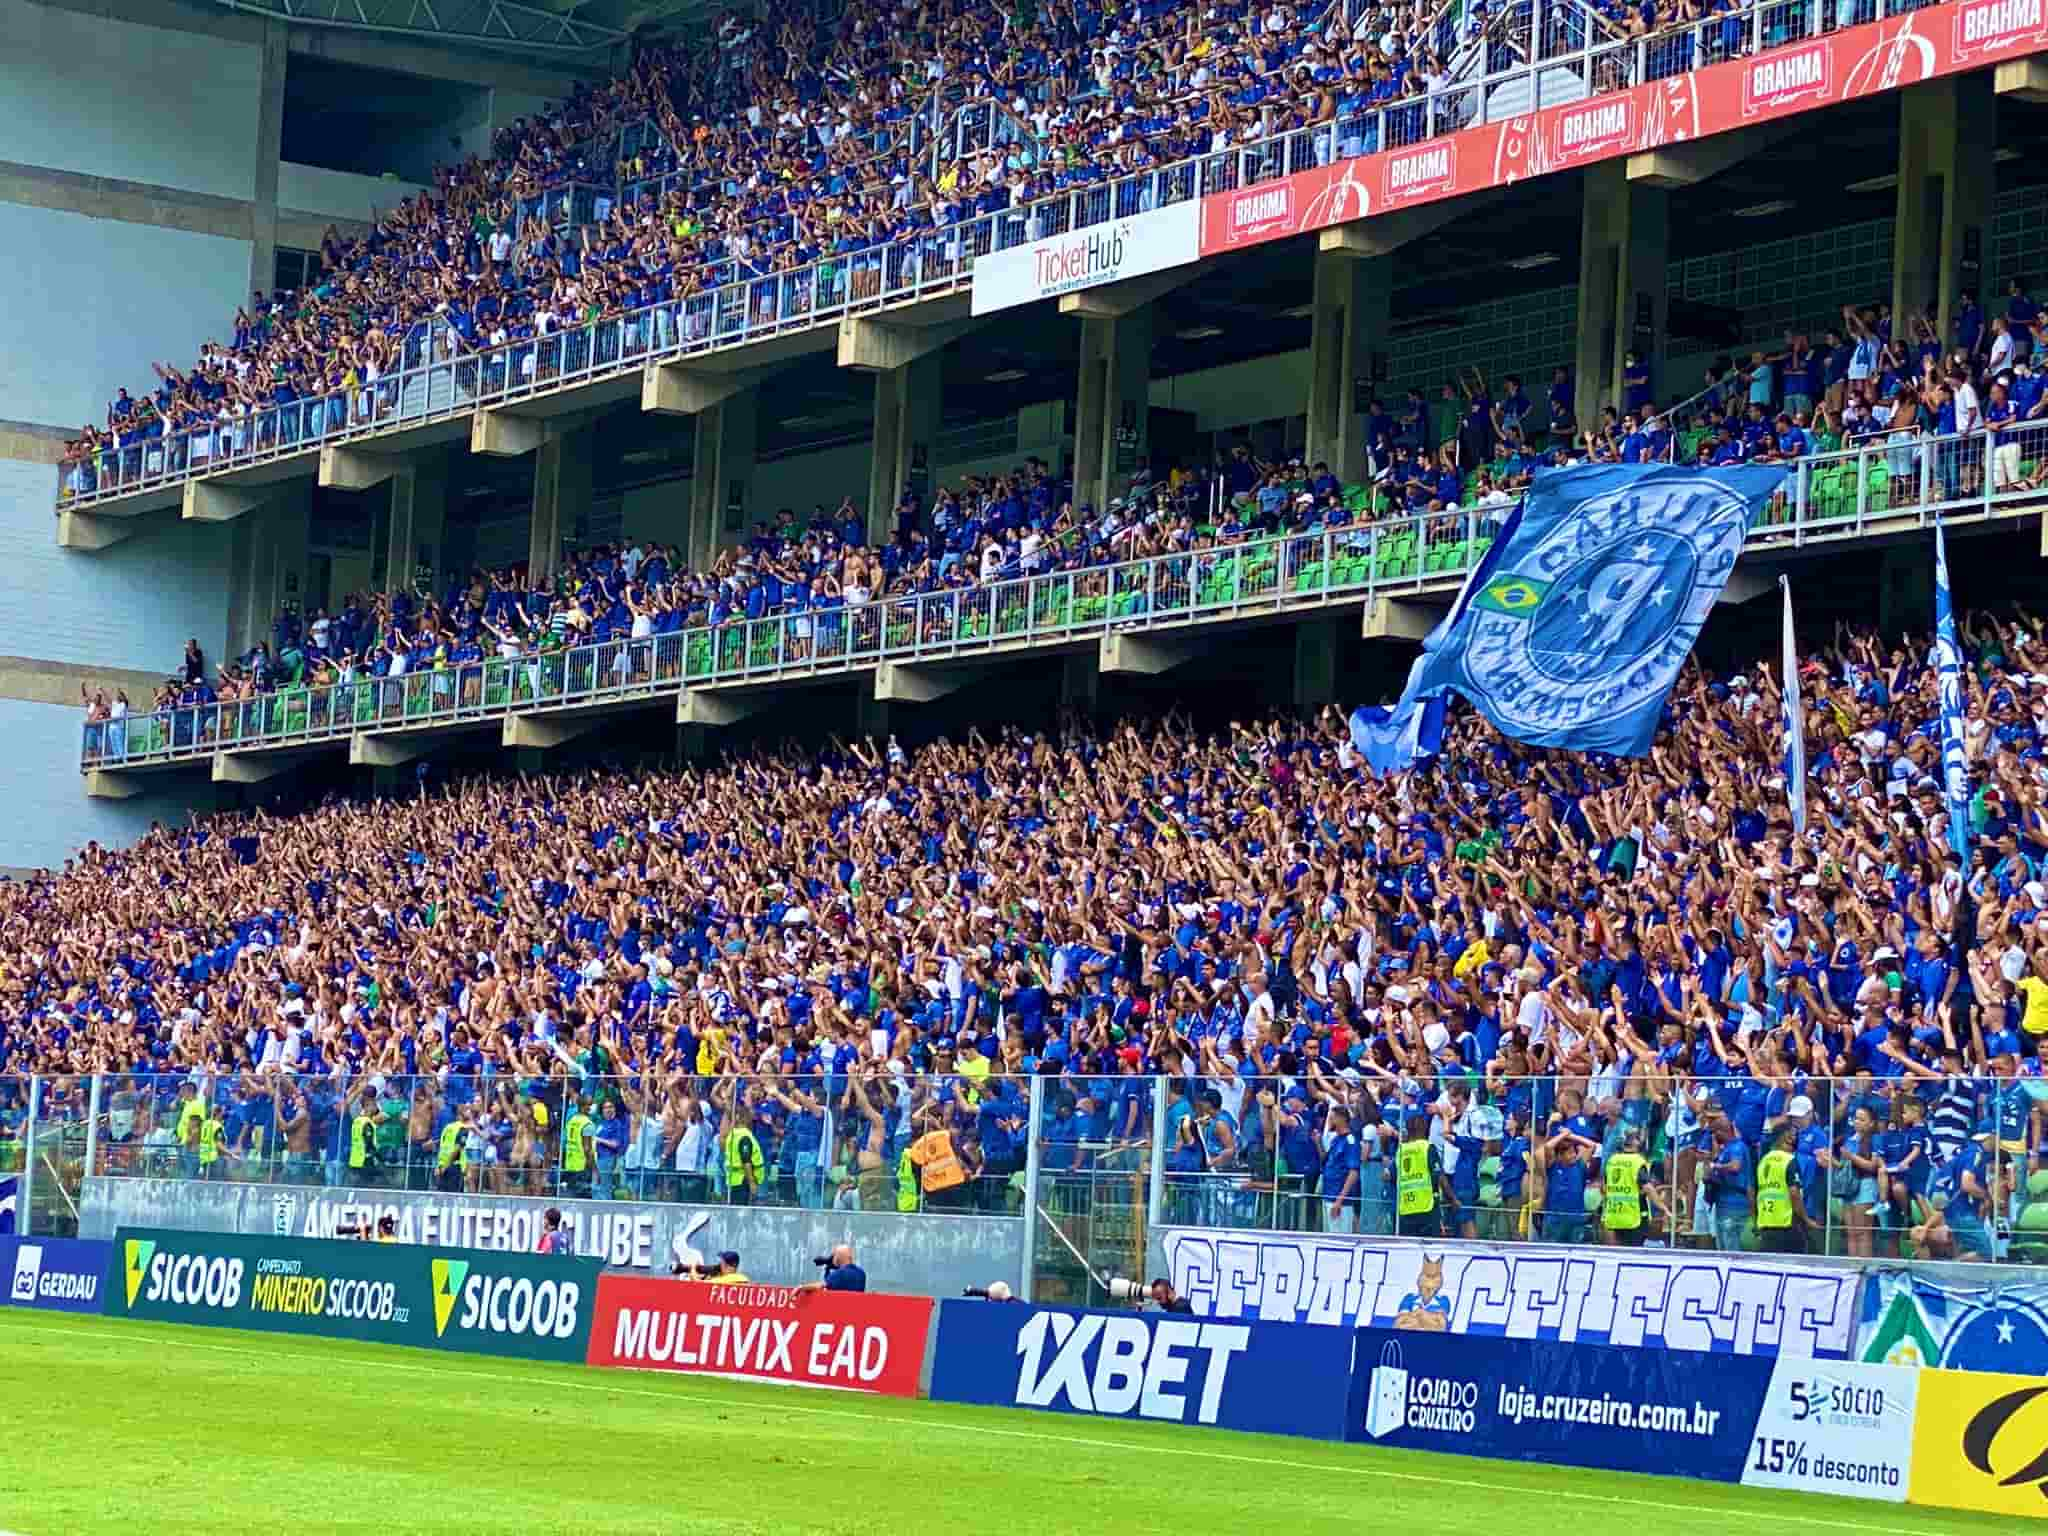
[727, 1273]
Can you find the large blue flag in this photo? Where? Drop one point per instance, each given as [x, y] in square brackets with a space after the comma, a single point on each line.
[1948, 662]
[1592, 601]
[1397, 737]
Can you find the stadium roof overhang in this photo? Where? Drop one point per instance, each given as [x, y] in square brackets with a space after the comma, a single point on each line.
[557, 27]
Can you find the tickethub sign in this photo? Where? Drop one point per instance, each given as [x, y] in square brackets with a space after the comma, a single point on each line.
[391, 1293]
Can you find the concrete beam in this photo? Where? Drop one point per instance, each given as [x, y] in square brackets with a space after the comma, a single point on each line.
[1145, 655]
[670, 389]
[1688, 164]
[351, 469]
[869, 345]
[1112, 301]
[367, 749]
[2022, 79]
[505, 436]
[107, 784]
[208, 501]
[1746, 583]
[251, 767]
[540, 732]
[1401, 618]
[1386, 233]
[698, 706]
[898, 682]
[84, 530]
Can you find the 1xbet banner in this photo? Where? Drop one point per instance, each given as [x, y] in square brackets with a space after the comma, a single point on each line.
[386, 1293]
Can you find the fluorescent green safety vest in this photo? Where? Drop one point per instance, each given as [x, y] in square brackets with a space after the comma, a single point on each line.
[358, 1141]
[906, 1182]
[451, 1142]
[1417, 1194]
[574, 1159]
[1773, 1191]
[742, 1152]
[1624, 1181]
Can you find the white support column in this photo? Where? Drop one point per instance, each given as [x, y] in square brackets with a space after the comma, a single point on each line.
[907, 413]
[1352, 303]
[1942, 221]
[1624, 236]
[1112, 399]
[561, 496]
[722, 475]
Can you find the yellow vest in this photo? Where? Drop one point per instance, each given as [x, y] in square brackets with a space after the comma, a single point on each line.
[211, 1129]
[1623, 1208]
[1773, 1193]
[188, 1122]
[1417, 1193]
[574, 1159]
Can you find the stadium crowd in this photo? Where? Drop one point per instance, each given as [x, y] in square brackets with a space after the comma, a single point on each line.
[1508, 992]
[822, 133]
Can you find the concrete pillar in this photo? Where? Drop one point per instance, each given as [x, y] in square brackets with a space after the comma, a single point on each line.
[722, 475]
[907, 401]
[1315, 665]
[1352, 297]
[1111, 401]
[870, 715]
[1941, 228]
[418, 516]
[561, 496]
[269, 148]
[267, 563]
[1905, 588]
[1081, 684]
[1624, 239]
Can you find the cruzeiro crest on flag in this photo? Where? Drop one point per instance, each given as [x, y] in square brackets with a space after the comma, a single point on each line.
[1589, 620]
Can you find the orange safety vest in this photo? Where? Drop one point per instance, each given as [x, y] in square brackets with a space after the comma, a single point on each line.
[933, 1153]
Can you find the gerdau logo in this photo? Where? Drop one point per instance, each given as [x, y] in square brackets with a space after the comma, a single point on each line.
[448, 1277]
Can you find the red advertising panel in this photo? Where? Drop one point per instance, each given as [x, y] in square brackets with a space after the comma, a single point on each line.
[861, 1342]
[1842, 66]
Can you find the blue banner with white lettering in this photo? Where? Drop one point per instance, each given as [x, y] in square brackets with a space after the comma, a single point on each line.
[1577, 1405]
[10, 1201]
[1270, 1378]
[59, 1274]
[1593, 601]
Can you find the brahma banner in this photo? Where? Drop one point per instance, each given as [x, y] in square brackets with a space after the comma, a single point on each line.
[852, 1340]
[1082, 258]
[1841, 66]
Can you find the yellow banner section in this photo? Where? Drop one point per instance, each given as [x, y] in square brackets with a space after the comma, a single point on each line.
[1980, 1441]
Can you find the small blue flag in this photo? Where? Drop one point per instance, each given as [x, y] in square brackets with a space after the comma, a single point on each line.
[1795, 721]
[1948, 665]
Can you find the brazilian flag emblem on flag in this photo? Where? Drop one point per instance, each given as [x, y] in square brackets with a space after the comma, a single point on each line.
[1516, 596]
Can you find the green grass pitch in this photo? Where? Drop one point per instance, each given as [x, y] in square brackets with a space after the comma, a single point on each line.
[133, 1428]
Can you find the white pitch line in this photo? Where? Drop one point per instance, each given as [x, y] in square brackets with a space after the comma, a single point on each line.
[869, 1416]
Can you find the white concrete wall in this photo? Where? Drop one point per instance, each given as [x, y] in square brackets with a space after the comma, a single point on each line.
[338, 194]
[108, 98]
[49, 816]
[1238, 393]
[132, 605]
[803, 480]
[91, 303]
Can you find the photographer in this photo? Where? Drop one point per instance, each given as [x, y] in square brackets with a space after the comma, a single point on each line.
[1167, 1299]
[841, 1273]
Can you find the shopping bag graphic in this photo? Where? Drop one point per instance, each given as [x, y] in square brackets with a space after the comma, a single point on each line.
[1386, 1394]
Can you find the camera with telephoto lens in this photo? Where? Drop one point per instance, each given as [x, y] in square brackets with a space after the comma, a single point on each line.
[824, 1263]
[1123, 1289]
[996, 1290]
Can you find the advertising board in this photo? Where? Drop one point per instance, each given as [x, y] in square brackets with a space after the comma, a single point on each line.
[522, 1305]
[1844, 65]
[1083, 258]
[1265, 1377]
[57, 1274]
[1980, 1441]
[859, 1341]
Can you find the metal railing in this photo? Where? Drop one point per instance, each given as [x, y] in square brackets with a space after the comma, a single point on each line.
[751, 308]
[1929, 1167]
[1881, 485]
